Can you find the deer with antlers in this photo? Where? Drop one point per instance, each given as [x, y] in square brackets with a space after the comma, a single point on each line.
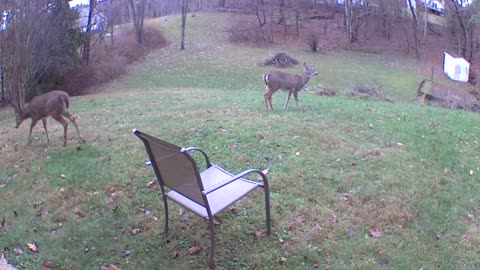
[293, 83]
[54, 103]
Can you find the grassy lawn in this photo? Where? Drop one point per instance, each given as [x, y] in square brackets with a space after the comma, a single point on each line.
[355, 183]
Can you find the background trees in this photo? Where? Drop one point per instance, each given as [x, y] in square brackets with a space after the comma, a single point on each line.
[40, 40]
[39, 43]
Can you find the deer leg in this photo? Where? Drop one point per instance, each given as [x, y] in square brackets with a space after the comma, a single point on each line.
[270, 102]
[45, 127]
[72, 118]
[64, 123]
[268, 99]
[287, 100]
[295, 95]
[30, 134]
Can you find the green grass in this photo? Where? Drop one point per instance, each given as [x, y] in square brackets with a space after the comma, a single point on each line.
[338, 167]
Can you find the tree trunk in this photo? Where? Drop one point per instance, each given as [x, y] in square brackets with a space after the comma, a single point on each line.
[414, 26]
[88, 33]
[348, 20]
[138, 14]
[184, 22]
[261, 18]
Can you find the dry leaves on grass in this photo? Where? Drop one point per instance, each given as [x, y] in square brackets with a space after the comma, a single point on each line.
[285, 244]
[375, 232]
[135, 231]
[194, 250]
[265, 172]
[18, 250]
[32, 246]
[109, 267]
[80, 213]
[152, 185]
[5, 225]
[257, 233]
[47, 265]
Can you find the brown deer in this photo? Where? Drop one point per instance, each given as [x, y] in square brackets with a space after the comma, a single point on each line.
[292, 83]
[54, 103]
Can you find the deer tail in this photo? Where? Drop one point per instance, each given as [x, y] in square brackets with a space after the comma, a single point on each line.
[265, 78]
[420, 87]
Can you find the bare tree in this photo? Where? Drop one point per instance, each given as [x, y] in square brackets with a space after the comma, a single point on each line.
[137, 8]
[88, 32]
[184, 22]
[259, 6]
[412, 4]
[462, 24]
[32, 41]
[353, 18]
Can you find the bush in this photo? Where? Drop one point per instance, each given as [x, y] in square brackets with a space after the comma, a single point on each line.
[108, 61]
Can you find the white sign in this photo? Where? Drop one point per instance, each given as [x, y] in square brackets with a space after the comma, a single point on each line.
[456, 68]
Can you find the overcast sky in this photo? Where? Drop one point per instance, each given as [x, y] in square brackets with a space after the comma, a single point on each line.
[78, 2]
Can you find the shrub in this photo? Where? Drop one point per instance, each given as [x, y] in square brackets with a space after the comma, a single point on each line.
[109, 61]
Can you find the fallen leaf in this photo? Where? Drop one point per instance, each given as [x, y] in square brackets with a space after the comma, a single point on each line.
[333, 218]
[265, 172]
[46, 265]
[315, 264]
[18, 250]
[258, 233]
[134, 231]
[126, 252]
[111, 189]
[80, 213]
[181, 211]
[232, 147]
[113, 197]
[32, 246]
[175, 254]
[259, 136]
[109, 267]
[194, 250]
[285, 244]
[375, 232]
[151, 185]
